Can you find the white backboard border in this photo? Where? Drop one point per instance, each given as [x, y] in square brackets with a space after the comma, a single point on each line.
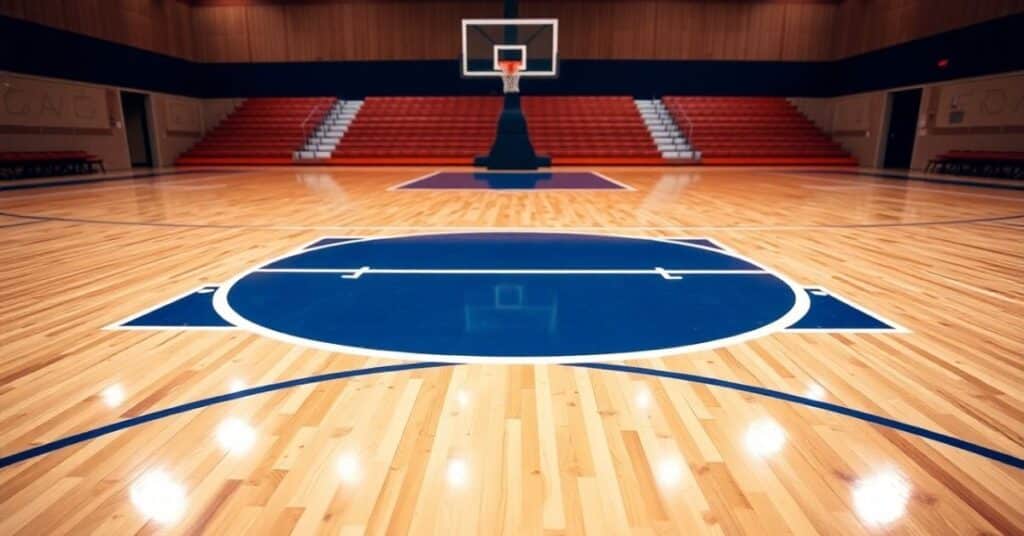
[524, 72]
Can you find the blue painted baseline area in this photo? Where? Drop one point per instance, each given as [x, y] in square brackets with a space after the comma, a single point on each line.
[512, 297]
[193, 310]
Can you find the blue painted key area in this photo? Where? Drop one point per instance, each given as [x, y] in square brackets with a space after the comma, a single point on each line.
[489, 180]
[193, 310]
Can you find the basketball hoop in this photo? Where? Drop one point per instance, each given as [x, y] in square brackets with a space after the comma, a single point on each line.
[510, 75]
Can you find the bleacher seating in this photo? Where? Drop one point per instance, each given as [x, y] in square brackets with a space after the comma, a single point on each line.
[1004, 164]
[753, 131]
[260, 131]
[453, 130]
[589, 130]
[420, 130]
[18, 165]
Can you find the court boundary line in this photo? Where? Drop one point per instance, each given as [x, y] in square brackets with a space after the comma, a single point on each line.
[872, 418]
[965, 181]
[84, 180]
[717, 243]
[881, 183]
[801, 304]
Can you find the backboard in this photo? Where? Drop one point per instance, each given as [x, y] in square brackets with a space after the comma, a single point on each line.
[488, 42]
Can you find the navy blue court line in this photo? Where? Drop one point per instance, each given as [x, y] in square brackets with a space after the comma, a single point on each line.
[771, 393]
[975, 448]
[19, 224]
[202, 403]
[953, 181]
[76, 182]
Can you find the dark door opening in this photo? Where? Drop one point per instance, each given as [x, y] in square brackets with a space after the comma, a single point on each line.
[136, 127]
[899, 143]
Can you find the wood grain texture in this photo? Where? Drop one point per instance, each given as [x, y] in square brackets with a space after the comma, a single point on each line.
[542, 449]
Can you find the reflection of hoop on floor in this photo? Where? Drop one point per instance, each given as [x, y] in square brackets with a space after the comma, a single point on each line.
[511, 309]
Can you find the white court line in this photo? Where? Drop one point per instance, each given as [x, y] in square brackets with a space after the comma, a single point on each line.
[717, 243]
[308, 245]
[411, 181]
[894, 327]
[881, 183]
[613, 181]
[119, 325]
[504, 271]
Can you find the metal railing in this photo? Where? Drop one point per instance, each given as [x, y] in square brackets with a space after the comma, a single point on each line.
[307, 130]
[687, 124]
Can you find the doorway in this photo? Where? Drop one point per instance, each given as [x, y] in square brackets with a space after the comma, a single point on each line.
[136, 128]
[899, 142]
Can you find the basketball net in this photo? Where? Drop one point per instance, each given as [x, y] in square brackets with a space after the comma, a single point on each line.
[510, 75]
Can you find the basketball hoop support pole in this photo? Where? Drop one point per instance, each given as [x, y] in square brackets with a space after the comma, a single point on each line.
[512, 148]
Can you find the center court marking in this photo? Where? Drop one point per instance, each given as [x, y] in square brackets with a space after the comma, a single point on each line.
[401, 331]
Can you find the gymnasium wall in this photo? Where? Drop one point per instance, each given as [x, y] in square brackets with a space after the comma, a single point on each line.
[973, 115]
[373, 30]
[233, 35]
[980, 114]
[41, 114]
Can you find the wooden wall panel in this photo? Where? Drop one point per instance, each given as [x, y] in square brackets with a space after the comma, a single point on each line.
[866, 25]
[163, 26]
[267, 27]
[796, 30]
[671, 29]
[221, 34]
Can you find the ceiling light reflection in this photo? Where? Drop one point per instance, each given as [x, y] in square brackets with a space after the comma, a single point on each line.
[349, 469]
[642, 399]
[669, 472]
[237, 385]
[113, 395]
[764, 438]
[815, 392]
[157, 496]
[457, 472]
[236, 436]
[462, 396]
[881, 498]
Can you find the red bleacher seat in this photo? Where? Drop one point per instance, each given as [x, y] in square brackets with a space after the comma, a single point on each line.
[453, 130]
[260, 131]
[753, 130]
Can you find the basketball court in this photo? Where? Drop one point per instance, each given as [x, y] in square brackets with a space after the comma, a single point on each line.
[514, 343]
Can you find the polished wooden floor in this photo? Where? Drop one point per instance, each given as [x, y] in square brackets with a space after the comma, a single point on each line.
[478, 449]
